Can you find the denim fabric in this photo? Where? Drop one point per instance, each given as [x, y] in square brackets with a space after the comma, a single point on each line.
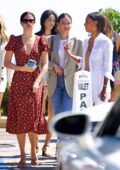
[61, 101]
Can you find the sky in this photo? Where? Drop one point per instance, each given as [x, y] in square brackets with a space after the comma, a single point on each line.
[78, 9]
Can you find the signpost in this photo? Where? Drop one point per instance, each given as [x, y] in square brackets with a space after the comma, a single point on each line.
[82, 92]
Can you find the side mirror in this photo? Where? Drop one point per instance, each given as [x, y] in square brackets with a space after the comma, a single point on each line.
[72, 124]
[75, 154]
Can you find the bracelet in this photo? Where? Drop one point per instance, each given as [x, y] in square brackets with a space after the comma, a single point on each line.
[36, 85]
[37, 81]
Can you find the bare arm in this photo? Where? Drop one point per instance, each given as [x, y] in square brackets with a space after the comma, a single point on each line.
[8, 63]
[68, 53]
[44, 65]
[59, 71]
[103, 92]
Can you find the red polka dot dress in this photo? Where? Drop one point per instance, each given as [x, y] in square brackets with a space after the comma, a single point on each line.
[25, 110]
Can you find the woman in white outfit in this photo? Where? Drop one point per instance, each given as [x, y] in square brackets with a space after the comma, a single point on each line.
[5, 74]
[97, 57]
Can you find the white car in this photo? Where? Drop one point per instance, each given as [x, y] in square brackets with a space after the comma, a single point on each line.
[79, 149]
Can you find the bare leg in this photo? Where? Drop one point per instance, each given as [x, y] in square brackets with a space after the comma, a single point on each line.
[1, 97]
[50, 116]
[37, 144]
[33, 141]
[21, 142]
[49, 135]
[44, 107]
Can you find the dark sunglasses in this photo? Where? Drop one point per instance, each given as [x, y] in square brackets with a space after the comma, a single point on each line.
[28, 20]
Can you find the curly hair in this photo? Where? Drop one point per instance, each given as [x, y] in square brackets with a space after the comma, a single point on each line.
[4, 36]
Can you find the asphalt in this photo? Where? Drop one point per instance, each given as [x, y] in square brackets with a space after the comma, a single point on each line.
[9, 153]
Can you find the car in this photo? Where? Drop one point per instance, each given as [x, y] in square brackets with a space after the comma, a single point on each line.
[79, 148]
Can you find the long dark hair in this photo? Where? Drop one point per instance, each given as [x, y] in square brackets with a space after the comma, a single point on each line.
[109, 31]
[96, 16]
[26, 13]
[43, 18]
[64, 15]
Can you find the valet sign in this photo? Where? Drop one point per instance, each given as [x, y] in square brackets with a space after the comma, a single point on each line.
[82, 92]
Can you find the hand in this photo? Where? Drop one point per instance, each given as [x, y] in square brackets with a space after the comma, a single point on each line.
[103, 94]
[35, 86]
[58, 70]
[28, 68]
[67, 46]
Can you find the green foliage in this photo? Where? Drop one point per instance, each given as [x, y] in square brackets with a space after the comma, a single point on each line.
[4, 105]
[114, 16]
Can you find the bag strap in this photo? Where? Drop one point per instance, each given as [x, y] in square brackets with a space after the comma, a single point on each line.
[51, 47]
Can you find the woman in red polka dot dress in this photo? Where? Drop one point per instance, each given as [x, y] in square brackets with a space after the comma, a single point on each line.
[25, 111]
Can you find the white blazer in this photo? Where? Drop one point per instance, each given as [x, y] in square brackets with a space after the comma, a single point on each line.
[100, 64]
[5, 74]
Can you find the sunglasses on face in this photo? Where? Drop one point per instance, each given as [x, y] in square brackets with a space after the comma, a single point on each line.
[28, 20]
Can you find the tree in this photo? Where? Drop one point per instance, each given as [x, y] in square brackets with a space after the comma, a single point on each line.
[114, 16]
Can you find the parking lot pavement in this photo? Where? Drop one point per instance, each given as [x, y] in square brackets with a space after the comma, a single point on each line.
[9, 153]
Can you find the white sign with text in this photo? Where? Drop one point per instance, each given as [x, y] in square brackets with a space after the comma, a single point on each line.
[82, 92]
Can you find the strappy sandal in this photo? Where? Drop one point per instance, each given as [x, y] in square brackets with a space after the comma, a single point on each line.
[37, 149]
[21, 164]
[34, 160]
[44, 151]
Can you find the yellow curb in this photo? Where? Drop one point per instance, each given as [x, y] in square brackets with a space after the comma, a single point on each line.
[3, 121]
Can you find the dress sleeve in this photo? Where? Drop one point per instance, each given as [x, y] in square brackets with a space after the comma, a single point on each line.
[11, 44]
[43, 44]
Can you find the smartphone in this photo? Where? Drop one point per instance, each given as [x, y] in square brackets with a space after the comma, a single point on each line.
[31, 63]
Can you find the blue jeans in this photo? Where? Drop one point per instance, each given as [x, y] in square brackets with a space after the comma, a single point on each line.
[60, 100]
